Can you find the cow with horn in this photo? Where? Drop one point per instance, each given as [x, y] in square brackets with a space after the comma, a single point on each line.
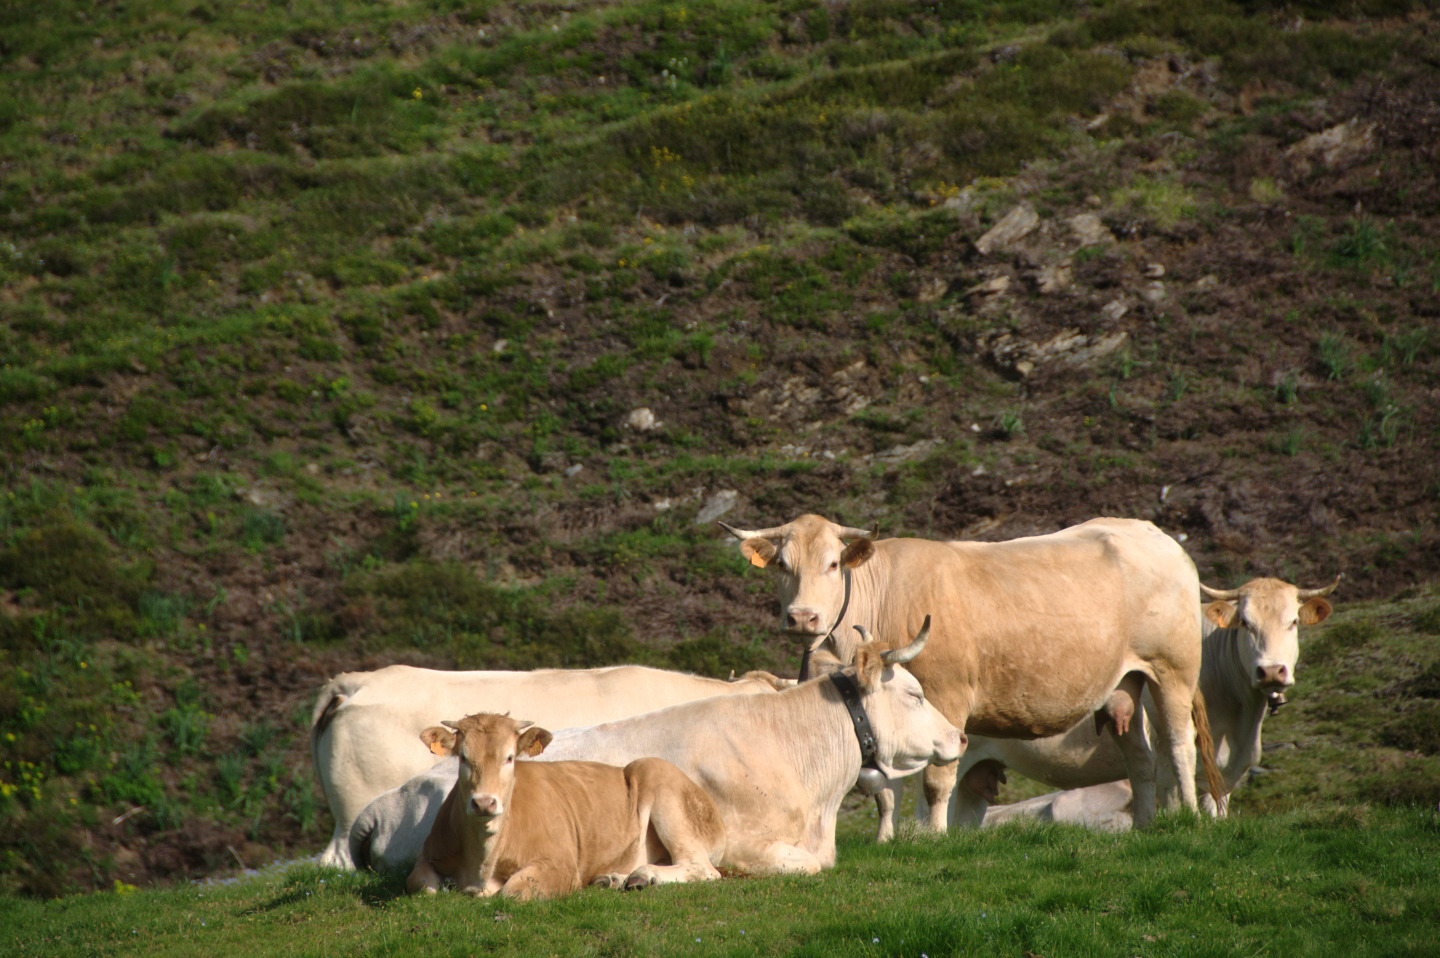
[1030, 636]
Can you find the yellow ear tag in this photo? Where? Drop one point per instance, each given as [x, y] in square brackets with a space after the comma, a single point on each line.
[437, 748]
[755, 560]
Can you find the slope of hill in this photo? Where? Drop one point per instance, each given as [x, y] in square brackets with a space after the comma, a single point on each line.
[339, 334]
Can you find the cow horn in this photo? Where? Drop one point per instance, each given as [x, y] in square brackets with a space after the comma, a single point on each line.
[743, 534]
[1313, 593]
[865, 637]
[850, 532]
[916, 646]
[1229, 595]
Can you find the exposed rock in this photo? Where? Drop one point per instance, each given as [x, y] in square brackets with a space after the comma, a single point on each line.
[1013, 227]
[1053, 279]
[905, 453]
[1089, 230]
[252, 496]
[1113, 310]
[1072, 347]
[1153, 292]
[551, 462]
[640, 420]
[1340, 147]
[716, 506]
[932, 290]
[991, 286]
[1153, 271]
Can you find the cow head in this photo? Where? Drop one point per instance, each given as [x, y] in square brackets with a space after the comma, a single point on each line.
[1268, 614]
[487, 746]
[910, 733]
[808, 556]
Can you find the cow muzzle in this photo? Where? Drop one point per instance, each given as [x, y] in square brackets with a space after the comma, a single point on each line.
[485, 805]
[802, 620]
[1273, 676]
[949, 747]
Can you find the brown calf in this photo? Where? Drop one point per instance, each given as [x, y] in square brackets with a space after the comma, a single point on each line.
[537, 830]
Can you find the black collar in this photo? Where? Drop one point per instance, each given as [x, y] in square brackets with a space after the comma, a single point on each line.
[864, 734]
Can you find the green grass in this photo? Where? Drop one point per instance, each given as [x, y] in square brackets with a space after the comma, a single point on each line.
[1364, 881]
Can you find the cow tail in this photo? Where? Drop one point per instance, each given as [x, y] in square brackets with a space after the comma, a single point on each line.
[1213, 777]
[331, 698]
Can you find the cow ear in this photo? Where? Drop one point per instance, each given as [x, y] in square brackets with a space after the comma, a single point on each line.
[869, 663]
[439, 740]
[533, 741]
[1314, 612]
[760, 552]
[1221, 613]
[857, 553]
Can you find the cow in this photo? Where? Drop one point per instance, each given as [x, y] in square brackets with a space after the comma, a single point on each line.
[541, 829]
[365, 729]
[1100, 808]
[1249, 651]
[777, 766]
[1031, 636]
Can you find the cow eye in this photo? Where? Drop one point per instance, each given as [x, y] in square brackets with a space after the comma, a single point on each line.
[509, 759]
[834, 564]
[1295, 623]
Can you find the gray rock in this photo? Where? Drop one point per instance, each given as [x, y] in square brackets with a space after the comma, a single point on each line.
[716, 506]
[1013, 227]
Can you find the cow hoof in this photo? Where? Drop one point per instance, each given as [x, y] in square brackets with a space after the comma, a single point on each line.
[638, 881]
[607, 881]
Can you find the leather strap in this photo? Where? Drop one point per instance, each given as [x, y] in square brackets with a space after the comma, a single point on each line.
[864, 734]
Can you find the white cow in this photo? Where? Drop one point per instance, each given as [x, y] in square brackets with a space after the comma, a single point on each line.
[777, 766]
[1248, 658]
[1032, 636]
[365, 731]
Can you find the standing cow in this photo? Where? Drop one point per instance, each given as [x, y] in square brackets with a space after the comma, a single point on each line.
[365, 731]
[1031, 636]
[1250, 650]
[537, 830]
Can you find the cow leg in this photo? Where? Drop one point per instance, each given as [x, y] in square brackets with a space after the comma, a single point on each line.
[535, 880]
[887, 795]
[423, 877]
[1174, 699]
[692, 847]
[1139, 757]
[773, 858]
[337, 853]
[680, 823]
[887, 810]
[976, 792]
[939, 786]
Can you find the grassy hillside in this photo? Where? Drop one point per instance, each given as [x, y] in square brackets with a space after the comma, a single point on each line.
[335, 334]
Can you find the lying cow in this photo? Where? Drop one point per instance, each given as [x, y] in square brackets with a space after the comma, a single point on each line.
[777, 766]
[541, 829]
[1249, 651]
[1032, 636]
[365, 731]
[1100, 808]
